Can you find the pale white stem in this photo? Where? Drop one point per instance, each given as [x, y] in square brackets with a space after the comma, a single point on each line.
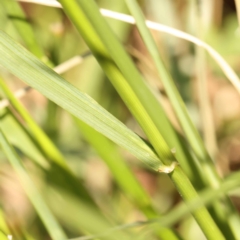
[50, 3]
[228, 71]
[231, 75]
[61, 68]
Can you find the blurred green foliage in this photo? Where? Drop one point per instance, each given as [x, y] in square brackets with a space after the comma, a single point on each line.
[81, 186]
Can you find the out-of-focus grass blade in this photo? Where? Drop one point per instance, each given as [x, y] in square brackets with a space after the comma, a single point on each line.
[18, 137]
[28, 68]
[41, 208]
[58, 172]
[58, 177]
[17, 16]
[7, 232]
[76, 214]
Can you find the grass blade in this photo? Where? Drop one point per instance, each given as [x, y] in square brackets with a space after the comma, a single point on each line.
[42, 209]
[17, 16]
[44, 142]
[18, 137]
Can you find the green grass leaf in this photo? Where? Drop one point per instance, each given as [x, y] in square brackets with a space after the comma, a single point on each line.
[24, 65]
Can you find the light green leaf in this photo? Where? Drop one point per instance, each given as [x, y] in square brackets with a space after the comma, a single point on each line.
[24, 65]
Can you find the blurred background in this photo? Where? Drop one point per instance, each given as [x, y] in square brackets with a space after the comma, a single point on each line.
[199, 79]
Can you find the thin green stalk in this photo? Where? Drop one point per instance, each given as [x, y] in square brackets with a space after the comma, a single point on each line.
[179, 212]
[175, 98]
[19, 138]
[44, 142]
[41, 208]
[105, 47]
[22, 25]
[193, 136]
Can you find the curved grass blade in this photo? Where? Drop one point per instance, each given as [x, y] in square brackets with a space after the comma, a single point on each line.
[227, 70]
